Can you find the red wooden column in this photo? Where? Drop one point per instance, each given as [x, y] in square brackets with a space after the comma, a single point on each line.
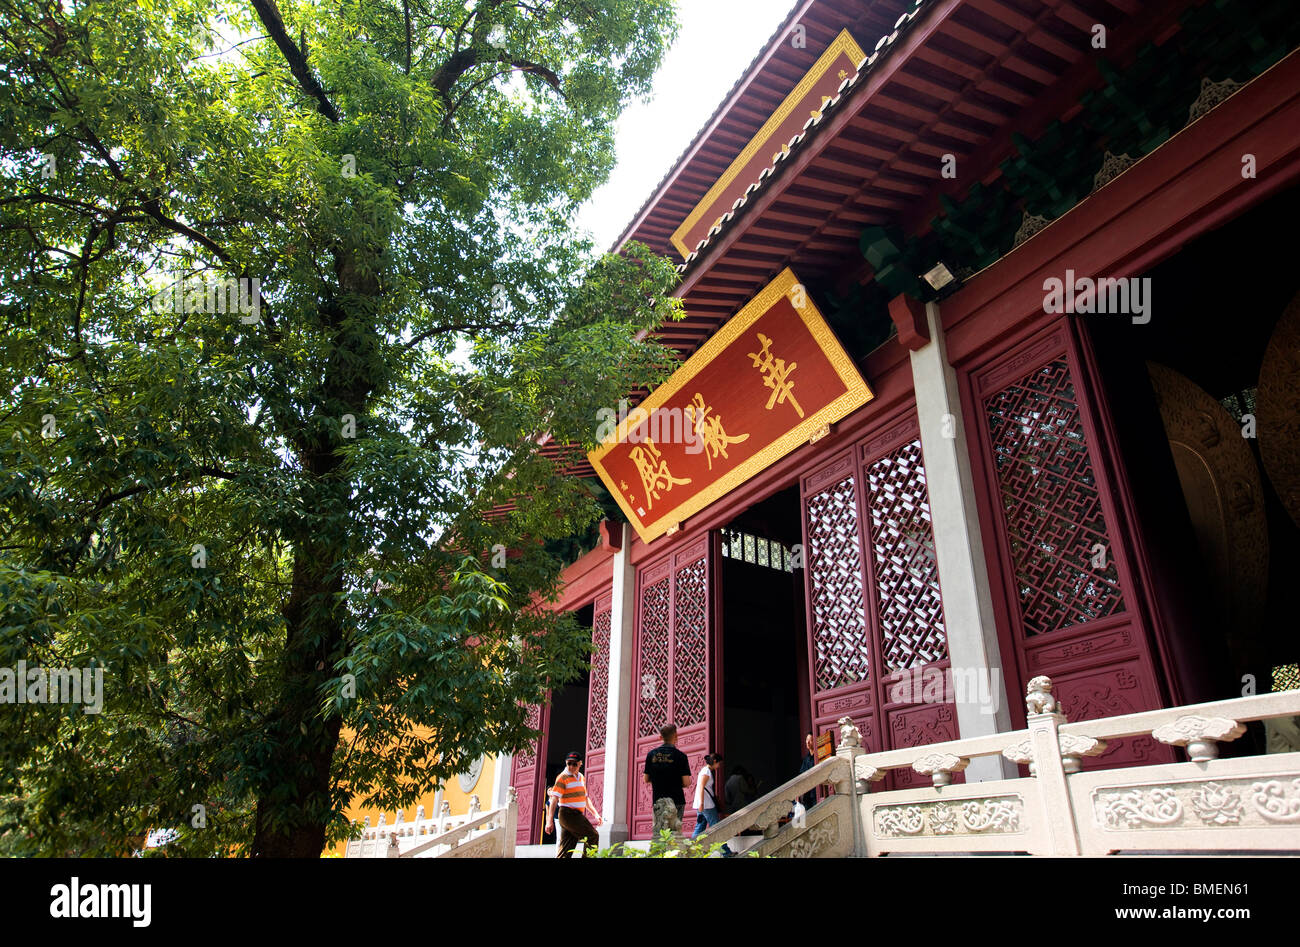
[672, 677]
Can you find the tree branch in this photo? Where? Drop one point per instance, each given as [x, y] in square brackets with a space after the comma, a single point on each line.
[463, 60]
[269, 14]
[406, 11]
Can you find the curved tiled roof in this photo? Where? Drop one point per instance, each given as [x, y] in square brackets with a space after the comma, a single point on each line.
[752, 98]
[782, 158]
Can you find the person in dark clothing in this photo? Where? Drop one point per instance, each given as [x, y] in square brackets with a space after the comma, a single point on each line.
[740, 790]
[668, 772]
[809, 799]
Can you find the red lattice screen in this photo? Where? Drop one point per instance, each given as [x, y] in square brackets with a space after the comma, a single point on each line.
[885, 611]
[672, 672]
[598, 705]
[1054, 519]
[834, 564]
[1061, 554]
[598, 702]
[528, 757]
[906, 573]
[690, 649]
[654, 675]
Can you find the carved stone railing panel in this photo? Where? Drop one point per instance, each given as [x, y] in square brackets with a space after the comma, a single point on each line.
[1240, 804]
[826, 833]
[985, 815]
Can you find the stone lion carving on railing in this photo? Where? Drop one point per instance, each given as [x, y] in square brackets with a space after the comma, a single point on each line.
[1038, 696]
[665, 814]
[849, 735]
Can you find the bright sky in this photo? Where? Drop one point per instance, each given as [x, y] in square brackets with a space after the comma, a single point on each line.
[717, 40]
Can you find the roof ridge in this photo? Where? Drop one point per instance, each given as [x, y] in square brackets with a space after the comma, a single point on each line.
[785, 27]
[782, 158]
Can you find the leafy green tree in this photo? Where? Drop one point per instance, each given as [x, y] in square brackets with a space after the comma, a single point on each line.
[265, 517]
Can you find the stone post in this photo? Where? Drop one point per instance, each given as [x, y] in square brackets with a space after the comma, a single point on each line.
[1045, 719]
[958, 546]
[859, 776]
[618, 723]
[512, 821]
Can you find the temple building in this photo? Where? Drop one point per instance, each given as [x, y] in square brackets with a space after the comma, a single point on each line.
[990, 371]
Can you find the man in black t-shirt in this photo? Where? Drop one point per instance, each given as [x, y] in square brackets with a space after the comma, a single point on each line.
[668, 772]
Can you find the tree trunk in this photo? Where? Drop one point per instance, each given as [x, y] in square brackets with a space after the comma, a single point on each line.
[293, 805]
[294, 800]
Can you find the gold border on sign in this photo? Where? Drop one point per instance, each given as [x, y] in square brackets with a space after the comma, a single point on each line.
[857, 393]
[844, 43]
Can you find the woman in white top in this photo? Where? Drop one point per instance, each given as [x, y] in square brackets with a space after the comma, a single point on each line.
[706, 800]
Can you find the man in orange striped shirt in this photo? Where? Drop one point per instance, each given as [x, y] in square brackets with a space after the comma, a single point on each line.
[570, 793]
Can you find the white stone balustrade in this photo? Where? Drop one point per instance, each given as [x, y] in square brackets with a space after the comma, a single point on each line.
[1247, 803]
[490, 834]
[1200, 735]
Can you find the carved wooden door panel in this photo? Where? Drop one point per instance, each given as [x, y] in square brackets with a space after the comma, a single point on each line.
[875, 613]
[841, 656]
[1070, 606]
[527, 774]
[598, 701]
[672, 680]
[903, 592]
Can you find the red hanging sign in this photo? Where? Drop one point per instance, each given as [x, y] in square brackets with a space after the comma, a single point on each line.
[770, 379]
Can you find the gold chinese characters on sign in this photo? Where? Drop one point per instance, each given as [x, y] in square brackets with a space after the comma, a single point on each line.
[653, 470]
[709, 430]
[776, 375]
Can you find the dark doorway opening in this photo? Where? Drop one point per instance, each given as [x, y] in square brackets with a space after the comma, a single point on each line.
[567, 730]
[764, 644]
[1202, 399]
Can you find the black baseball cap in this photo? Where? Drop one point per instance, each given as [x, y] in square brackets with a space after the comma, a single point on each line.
[573, 758]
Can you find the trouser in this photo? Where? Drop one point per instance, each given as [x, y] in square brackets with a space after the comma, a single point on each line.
[707, 819]
[704, 819]
[575, 827]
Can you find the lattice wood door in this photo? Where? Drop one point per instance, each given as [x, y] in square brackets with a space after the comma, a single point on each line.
[875, 613]
[1071, 605]
[527, 774]
[598, 701]
[672, 680]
